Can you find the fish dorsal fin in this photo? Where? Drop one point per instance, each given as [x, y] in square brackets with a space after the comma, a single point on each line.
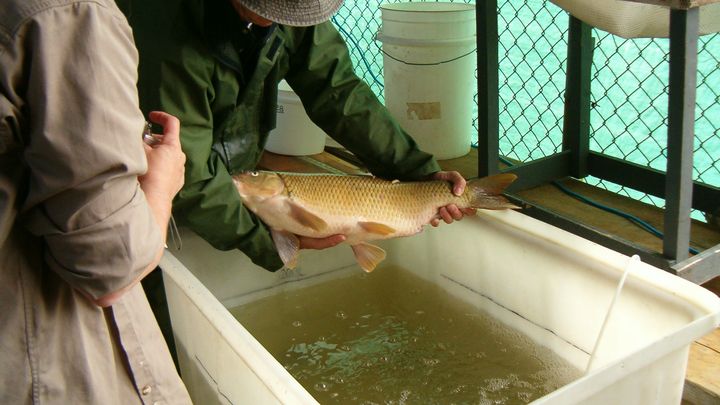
[368, 256]
[287, 245]
[376, 227]
[306, 218]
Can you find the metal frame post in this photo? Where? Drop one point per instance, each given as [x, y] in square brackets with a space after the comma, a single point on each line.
[576, 123]
[681, 123]
[488, 84]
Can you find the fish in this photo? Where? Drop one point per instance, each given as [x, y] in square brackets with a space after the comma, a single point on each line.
[364, 208]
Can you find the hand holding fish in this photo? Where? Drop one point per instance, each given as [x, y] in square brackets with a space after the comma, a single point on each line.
[451, 212]
[299, 207]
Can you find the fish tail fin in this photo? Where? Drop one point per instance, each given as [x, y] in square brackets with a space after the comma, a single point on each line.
[486, 192]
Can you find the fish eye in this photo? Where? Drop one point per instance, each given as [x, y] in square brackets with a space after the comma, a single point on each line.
[254, 173]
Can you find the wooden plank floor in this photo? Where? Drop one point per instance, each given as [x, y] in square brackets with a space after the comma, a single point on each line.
[702, 386]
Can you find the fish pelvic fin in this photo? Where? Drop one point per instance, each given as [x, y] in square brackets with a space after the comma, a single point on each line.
[306, 218]
[288, 247]
[368, 256]
[377, 228]
[486, 192]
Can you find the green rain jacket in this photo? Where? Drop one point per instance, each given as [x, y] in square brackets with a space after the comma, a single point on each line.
[200, 62]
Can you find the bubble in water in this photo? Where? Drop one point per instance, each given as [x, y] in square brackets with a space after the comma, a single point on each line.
[334, 395]
[524, 396]
[345, 348]
[419, 312]
[321, 339]
[384, 359]
[322, 387]
[297, 324]
[496, 384]
[341, 315]
[430, 362]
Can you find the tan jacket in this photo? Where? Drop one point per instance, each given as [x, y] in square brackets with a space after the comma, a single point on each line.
[73, 220]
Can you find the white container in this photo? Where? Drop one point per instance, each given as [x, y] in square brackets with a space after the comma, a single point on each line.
[295, 134]
[549, 284]
[635, 20]
[429, 69]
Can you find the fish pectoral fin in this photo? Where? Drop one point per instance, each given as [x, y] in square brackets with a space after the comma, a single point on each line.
[306, 218]
[376, 227]
[368, 256]
[287, 245]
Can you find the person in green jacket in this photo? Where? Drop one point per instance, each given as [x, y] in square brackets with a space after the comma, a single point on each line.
[219, 63]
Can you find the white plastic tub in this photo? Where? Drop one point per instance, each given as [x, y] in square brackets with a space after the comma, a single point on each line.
[553, 286]
[295, 134]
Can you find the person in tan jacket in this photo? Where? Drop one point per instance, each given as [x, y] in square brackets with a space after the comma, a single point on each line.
[84, 206]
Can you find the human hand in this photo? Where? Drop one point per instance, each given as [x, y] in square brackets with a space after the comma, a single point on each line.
[166, 161]
[320, 243]
[451, 212]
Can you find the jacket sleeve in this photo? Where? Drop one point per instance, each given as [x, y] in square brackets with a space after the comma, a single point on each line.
[321, 73]
[84, 149]
[209, 202]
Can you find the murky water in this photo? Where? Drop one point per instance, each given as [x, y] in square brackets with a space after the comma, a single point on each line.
[390, 337]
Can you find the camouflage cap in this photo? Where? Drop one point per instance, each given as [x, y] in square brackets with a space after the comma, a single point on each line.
[299, 13]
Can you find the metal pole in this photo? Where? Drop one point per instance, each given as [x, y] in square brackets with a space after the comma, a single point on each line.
[487, 65]
[681, 122]
[576, 124]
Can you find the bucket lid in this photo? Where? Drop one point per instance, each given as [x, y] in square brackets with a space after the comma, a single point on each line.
[428, 7]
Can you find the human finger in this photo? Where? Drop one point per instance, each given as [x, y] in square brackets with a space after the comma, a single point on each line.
[170, 124]
[454, 212]
[445, 215]
[457, 180]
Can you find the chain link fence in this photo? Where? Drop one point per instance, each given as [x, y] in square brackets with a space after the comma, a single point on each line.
[629, 99]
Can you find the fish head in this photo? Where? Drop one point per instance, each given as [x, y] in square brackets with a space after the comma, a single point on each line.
[257, 187]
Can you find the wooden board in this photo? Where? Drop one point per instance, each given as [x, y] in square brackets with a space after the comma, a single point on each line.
[702, 381]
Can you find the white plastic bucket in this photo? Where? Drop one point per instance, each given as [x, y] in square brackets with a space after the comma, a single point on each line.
[429, 66]
[295, 134]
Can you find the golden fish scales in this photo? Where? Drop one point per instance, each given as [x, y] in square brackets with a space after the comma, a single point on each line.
[370, 197]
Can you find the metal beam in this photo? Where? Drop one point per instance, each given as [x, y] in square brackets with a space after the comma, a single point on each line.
[488, 97]
[606, 239]
[700, 268]
[705, 197]
[681, 123]
[576, 123]
[539, 171]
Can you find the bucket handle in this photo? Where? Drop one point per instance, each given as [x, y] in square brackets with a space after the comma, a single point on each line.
[411, 42]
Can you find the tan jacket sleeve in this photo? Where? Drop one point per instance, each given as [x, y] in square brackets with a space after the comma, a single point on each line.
[71, 73]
